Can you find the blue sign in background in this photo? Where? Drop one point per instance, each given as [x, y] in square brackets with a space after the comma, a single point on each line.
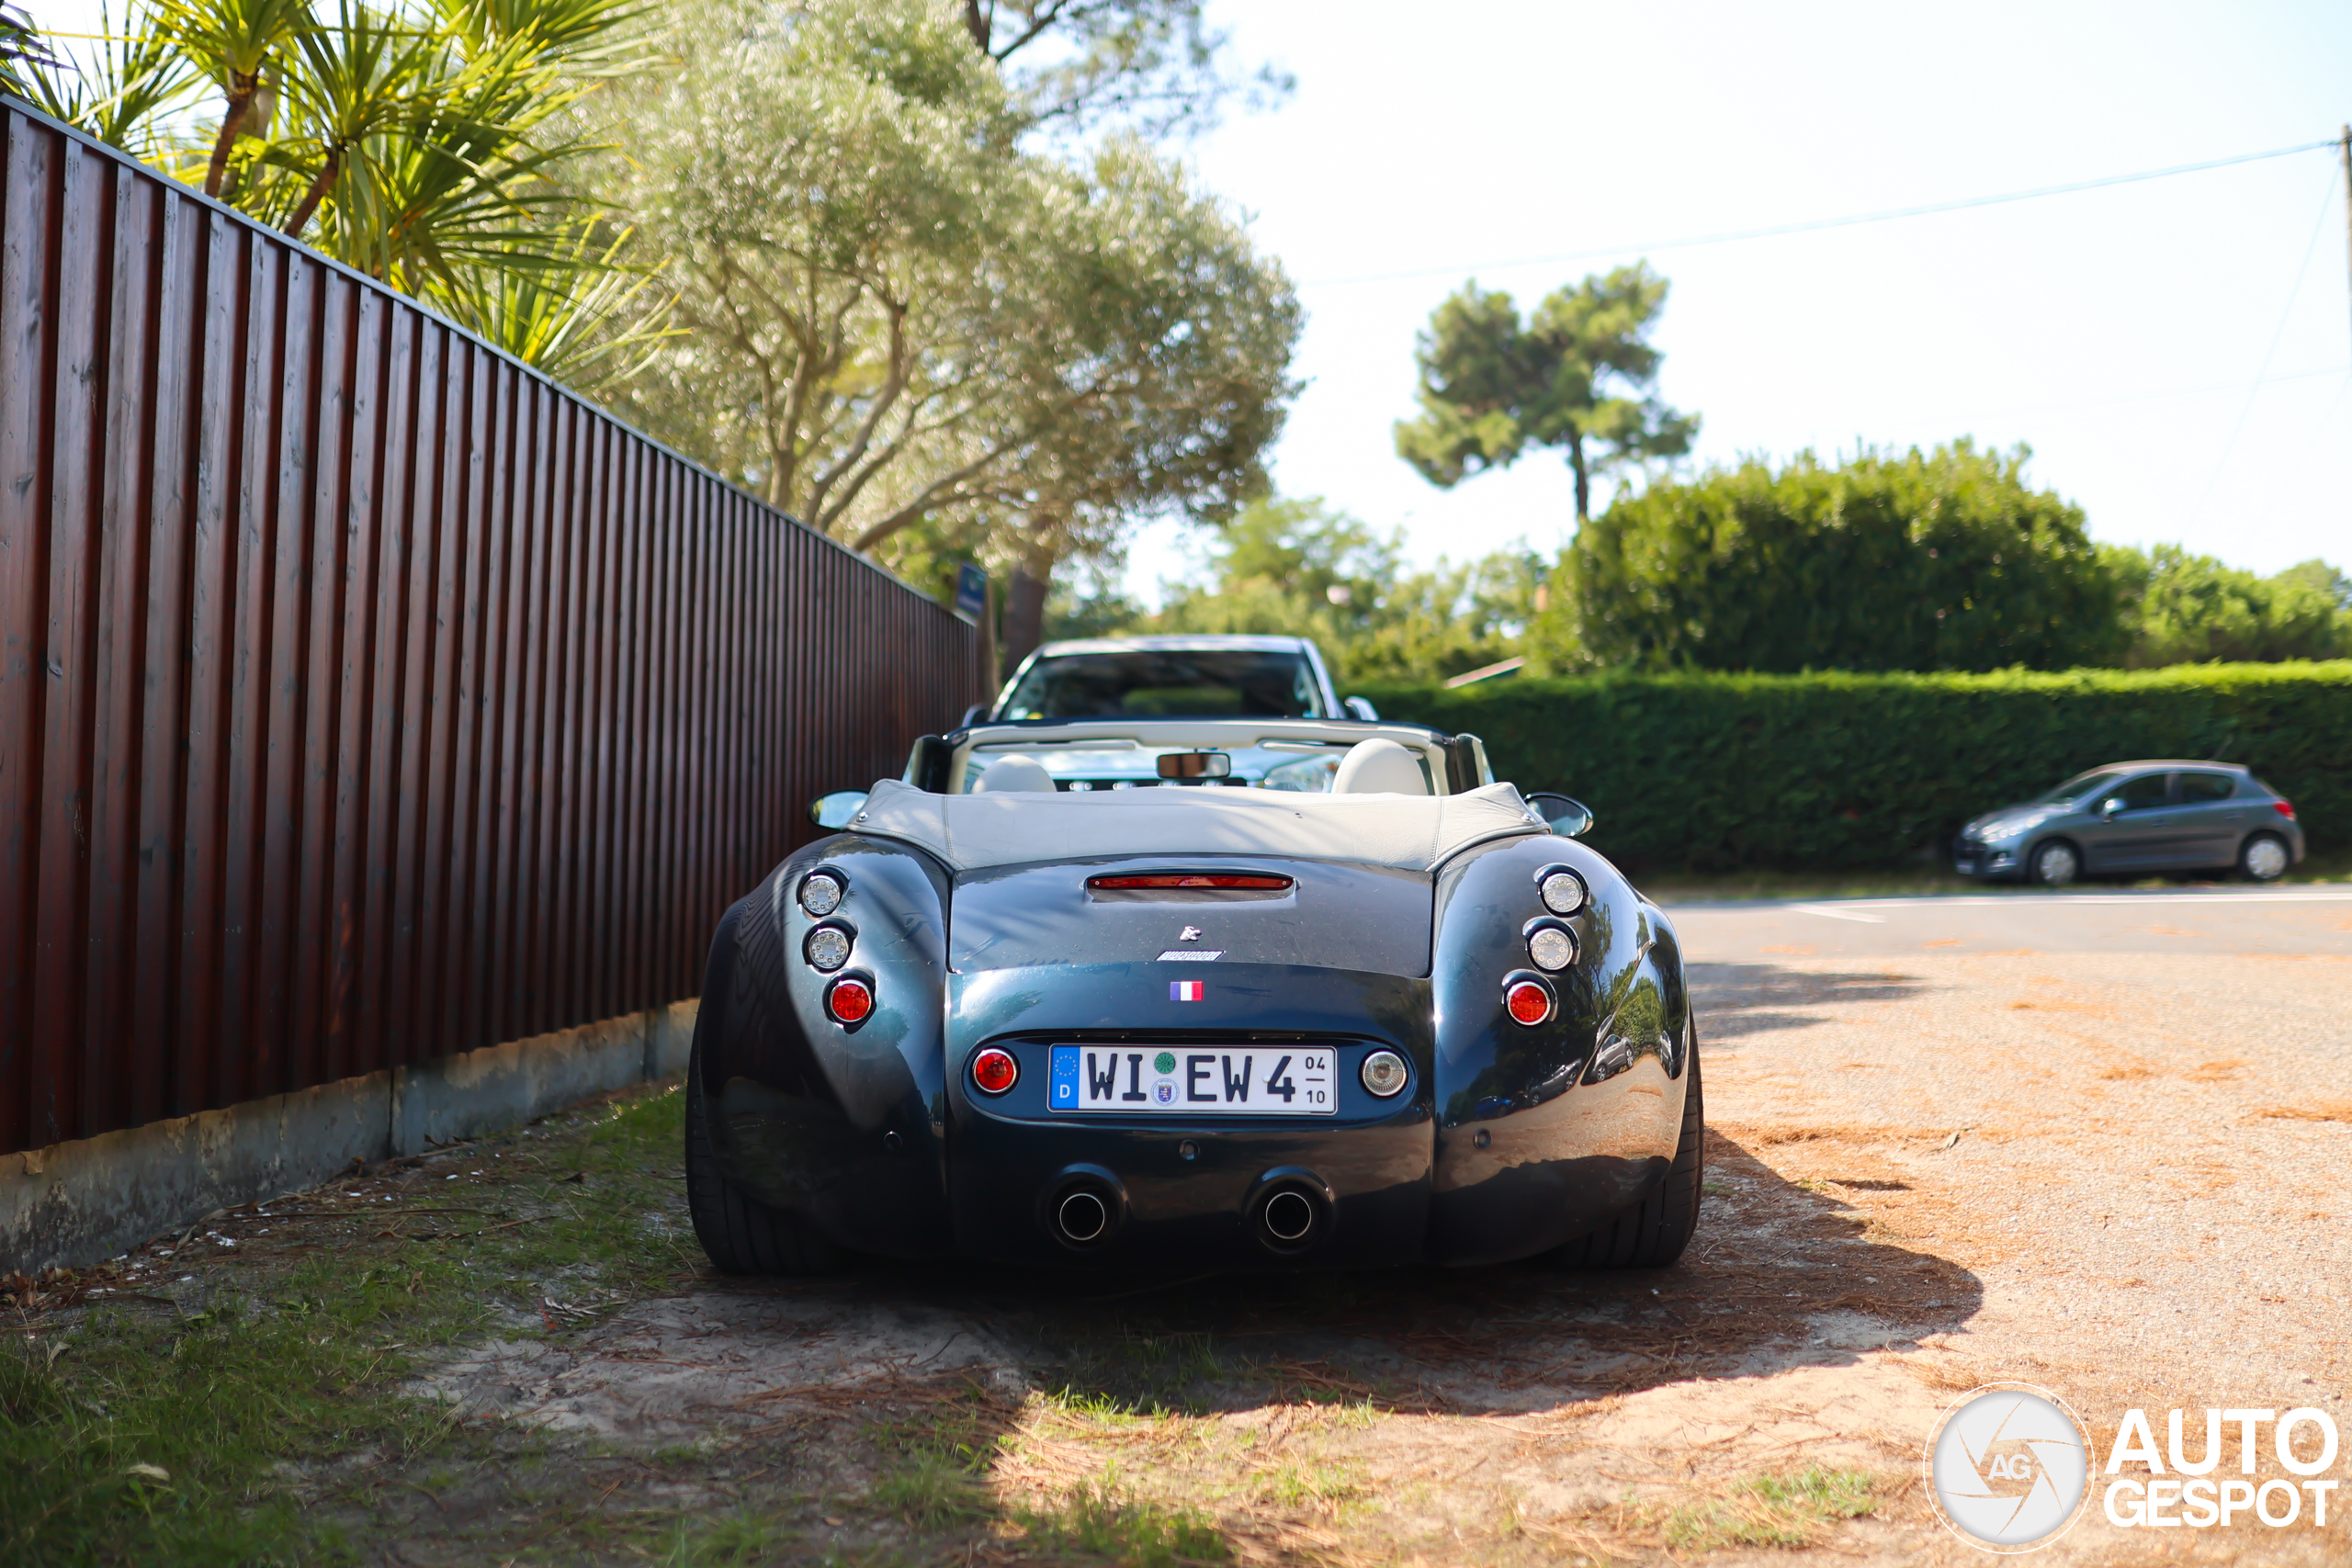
[971, 589]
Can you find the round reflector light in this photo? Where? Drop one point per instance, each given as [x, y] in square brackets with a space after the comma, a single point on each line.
[1552, 948]
[849, 1001]
[1529, 1003]
[1562, 892]
[821, 892]
[1384, 1072]
[994, 1071]
[828, 948]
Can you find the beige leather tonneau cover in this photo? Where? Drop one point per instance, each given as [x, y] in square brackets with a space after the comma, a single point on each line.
[1412, 832]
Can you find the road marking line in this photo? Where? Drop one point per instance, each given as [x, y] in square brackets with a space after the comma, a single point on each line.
[1828, 913]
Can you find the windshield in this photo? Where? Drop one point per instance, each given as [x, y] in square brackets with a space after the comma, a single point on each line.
[1158, 683]
[2080, 785]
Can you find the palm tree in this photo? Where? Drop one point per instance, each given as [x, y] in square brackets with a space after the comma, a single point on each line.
[432, 145]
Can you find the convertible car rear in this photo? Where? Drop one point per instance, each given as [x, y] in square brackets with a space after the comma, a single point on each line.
[1195, 1028]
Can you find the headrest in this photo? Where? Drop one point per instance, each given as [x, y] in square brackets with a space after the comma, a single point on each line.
[1378, 767]
[1016, 773]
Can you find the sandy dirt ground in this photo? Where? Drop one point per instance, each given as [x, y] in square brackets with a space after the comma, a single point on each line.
[2121, 1176]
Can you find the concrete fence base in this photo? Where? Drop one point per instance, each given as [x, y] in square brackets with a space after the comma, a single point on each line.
[77, 1203]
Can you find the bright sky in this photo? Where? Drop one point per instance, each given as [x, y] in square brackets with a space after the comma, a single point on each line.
[2177, 351]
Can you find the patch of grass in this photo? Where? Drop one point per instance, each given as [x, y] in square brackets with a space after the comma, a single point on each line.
[936, 1461]
[1104, 1519]
[1315, 1483]
[1773, 1510]
[1142, 1374]
[734, 1541]
[205, 1433]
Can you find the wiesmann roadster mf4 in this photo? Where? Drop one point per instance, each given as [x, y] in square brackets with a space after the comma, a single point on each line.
[1029, 1007]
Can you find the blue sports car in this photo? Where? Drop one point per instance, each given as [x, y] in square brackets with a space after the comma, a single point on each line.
[1378, 1008]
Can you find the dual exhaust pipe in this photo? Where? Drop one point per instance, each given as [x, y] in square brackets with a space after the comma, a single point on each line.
[1289, 1210]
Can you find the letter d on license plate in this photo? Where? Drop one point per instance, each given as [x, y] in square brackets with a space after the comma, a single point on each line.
[1197, 1080]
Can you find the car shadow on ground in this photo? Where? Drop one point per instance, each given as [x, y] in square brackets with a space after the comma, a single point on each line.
[1736, 1000]
[979, 1414]
[1779, 1274]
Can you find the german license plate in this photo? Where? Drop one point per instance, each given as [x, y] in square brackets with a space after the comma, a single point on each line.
[1179, 1080]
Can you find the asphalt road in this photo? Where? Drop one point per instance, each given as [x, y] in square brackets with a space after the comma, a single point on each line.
[2290, 920]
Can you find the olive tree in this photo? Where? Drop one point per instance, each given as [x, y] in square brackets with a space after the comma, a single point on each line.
[895, 318]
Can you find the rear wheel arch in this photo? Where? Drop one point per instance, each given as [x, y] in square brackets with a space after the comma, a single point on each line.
[1654, 1232]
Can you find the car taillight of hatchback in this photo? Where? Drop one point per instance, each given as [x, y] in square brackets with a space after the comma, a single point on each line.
[2285, 807]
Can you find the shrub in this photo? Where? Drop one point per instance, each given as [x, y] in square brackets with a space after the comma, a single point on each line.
[1733, 772]
[1939, 560]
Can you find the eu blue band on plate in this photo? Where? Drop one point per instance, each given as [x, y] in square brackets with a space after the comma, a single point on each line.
[1064, 1075]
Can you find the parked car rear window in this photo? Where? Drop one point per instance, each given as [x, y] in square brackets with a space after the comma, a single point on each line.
[2198, 788]
[1152, 683]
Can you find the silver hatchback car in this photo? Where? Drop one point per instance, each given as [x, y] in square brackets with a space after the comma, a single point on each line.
[2136, 816]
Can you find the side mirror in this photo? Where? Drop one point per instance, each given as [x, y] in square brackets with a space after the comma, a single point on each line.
[1569, 818]
[2110, 807]
[972, 715]
[1360, 707]
[1195, 765]
[836, 811]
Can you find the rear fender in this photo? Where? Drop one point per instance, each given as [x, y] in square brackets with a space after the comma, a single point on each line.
[843, 1124]
[1544, 1133]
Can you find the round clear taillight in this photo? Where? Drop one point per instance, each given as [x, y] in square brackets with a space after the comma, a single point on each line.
[1562, 891]
[1383, 1074]
[827, 948]
[994, 1071]
[1552, 948]
[1527, 1002]
[821, 892]
[849, 1001]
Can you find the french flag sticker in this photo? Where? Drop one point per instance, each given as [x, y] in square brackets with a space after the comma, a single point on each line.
[1184, 990]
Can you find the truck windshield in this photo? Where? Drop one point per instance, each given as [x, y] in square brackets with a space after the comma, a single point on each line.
[1160, 682]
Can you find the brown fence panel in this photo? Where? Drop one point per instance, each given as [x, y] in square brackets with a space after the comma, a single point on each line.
[364, 696]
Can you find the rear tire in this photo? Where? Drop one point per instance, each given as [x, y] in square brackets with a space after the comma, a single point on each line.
[741, 1235]
[1652, 1234]
[2265, 857]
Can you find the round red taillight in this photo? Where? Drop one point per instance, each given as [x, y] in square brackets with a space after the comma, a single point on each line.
[1529, 1003]
[995, 1071]
[849, 1001]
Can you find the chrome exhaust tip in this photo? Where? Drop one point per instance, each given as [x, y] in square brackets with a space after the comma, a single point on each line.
[1290, 1218]
[1081, 1216]
[1291, 1215]
[1083, 1206]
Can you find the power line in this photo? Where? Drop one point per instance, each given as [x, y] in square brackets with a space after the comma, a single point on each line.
[2327, 200]
[2295, 470]
[1816, 224]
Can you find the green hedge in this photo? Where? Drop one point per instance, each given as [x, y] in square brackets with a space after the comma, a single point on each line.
[1730, 773]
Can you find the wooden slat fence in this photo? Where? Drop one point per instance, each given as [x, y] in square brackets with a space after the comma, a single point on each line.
[365, 697]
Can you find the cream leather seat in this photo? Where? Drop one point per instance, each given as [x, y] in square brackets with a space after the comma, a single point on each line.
[1379, 766]
[1016, 774]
